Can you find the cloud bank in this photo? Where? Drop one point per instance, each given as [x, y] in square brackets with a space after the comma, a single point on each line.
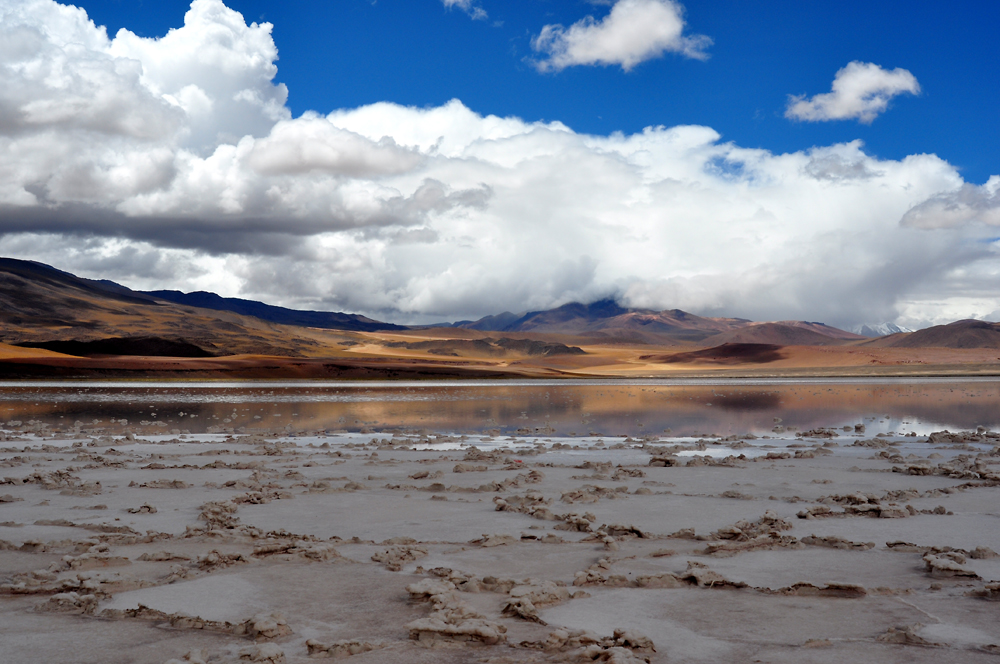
[174, 163]
[634, 31]
[861, 91]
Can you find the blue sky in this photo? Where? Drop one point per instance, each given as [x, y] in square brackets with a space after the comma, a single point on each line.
[422, 160]
[417, 52]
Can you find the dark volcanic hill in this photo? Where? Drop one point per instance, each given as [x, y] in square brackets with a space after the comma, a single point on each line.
[330, 320]
[960, 334]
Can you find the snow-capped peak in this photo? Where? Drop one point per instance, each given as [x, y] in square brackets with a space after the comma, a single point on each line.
[878, 329]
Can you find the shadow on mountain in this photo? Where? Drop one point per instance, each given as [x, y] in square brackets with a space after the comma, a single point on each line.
[123, 346]
[488, 347]
[726, 354]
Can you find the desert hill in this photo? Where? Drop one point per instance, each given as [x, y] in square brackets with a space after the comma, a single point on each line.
[487, 347]
[960, 334]
[606, 319]
[40, 305]
[784, 333]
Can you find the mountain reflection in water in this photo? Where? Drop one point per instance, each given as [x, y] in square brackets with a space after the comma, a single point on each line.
[609, 408]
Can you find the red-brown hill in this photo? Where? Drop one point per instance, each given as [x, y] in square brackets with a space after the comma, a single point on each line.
[960, 334]
[785, 333]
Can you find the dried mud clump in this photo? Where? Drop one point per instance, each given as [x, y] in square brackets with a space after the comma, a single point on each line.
[531, 503]
[267, 626]
[340, 649]
[300, 548]
[262, 626]
[590, 493]
[70, 603]
[488, 541]
[577, 522]
[948, 564]
[395, 557]
[906, 635]
[524, 600]
[214, 560]
[743, 536]
[990, 591]
[699, 575]
[219, 516]
[842, 590]
[834, 542]
[625, 647]
[264, 653]
[469, 468]
[451, 619]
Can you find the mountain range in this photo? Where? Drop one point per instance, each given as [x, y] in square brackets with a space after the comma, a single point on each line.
[41, 305]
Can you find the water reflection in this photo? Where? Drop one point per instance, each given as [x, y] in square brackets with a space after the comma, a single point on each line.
[548, 408]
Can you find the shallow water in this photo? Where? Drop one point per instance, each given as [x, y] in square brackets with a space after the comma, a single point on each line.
[545, 408]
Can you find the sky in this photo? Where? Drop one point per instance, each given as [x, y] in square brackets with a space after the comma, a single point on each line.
[429, 160]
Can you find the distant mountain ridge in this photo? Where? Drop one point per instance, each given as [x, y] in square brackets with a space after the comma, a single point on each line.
[330, 320]
[607, 319]
[200, 299]
[40, 303]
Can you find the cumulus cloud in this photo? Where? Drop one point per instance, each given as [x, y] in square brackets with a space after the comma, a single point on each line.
[425, 214]
[469, 7]
[633, 32]
[861, 91]
[966, 204]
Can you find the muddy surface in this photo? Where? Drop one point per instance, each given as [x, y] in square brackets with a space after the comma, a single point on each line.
[124, 544]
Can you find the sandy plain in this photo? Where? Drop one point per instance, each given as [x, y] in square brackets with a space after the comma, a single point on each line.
[120, 545]
[377, 356]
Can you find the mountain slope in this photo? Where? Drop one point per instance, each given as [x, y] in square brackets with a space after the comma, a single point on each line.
[606, 319]
[785, 333]
[329, 320]
[960, 334]
[39, 303]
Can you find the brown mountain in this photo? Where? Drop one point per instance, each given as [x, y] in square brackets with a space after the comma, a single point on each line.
[606, 320]
[960, 334]
[40, 305]
[785, 333]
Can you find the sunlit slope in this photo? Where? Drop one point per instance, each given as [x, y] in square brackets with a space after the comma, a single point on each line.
[38, 303]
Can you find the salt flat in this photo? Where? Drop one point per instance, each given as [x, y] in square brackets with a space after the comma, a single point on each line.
[827, 546]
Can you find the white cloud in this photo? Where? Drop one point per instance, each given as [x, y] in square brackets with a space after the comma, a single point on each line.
[634, 31]
[861, 91]
[470, 7]
[420, 214]
[964, 205]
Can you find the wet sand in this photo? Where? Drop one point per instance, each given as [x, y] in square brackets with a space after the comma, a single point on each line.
[814, 546]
